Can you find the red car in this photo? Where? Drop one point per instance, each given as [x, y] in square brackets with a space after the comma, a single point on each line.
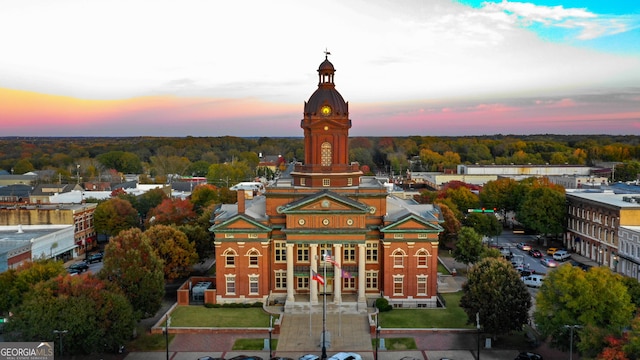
[535, 253]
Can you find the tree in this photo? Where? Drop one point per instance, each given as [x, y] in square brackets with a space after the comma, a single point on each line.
[14, 283]
[204, 195]
[500, 194]
[463, 198]
[172, 211]
[122, 161]
[484, 224]
[149, 200]
[468, 247]
[543, 210]
[451, 223]
[229, 174]
[95, 318]
[495, 292]
[132, 266]
[22, 166]
[113, 216]
[597, 300]
[200, 237]
[173, 247]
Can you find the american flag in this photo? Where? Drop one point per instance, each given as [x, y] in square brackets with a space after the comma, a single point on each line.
[330, 260]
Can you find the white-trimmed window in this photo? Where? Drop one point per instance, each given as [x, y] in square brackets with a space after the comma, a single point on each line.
[325, 151]
[398, 236]
[372, 252]
[423, 236]
[326, 182]
[253, 255]
[421, 285]
[349, 181]
[230, 284]
[303, 252]
[281, 279]
[254, 284]
[398, 258]
[303, 181]
[349, 283]
[348, 253]
[280, 251]
[422, 258]
[371, 280]
[398, 285]
[303, 282]
[229, 258]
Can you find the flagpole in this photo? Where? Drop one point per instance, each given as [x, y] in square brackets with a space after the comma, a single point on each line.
[324, 310]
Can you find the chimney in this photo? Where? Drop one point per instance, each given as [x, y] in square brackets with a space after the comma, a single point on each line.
[241, 201]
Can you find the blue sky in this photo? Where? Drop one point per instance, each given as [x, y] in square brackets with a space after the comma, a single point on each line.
[245, 68]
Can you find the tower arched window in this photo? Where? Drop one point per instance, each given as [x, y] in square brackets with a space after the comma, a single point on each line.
[325, 151]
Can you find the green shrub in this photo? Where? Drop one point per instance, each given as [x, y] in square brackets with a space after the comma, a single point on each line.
[210, 305]
[383, 304]
[257, 304]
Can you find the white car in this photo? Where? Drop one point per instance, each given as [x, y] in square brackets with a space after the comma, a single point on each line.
[346, 356]
[534, 280]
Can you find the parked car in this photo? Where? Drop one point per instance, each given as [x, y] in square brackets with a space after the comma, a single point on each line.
[561, 255]
[78, 267]
[551, 250]
[524, 246]
[346, 356]
[309, 357]
[582, 266]
[210, 358]
[535, 253]
[528, 356]
[97, 257]
[548, 262]
[526, 272]
[245, 357]
[533, 280]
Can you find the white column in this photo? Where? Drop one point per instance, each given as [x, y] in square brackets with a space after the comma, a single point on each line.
[313, 285]
[361, 271]
[290, 279]
[337, 274]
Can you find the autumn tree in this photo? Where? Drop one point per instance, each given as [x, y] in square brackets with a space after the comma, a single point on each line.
[596, 300]
[172, 211]
[229, 174]
[14, 283]
[150, 199]
[174, 248]
[495, 292]
[451, 224]
[131, 265]
[122, 161]
[469, 246]
[96, 319]
[113, 216]
[463, 198]
[200, 237]
[500, 194]
[204, 195]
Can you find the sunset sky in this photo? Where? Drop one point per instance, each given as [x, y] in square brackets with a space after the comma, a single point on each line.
[246, 67]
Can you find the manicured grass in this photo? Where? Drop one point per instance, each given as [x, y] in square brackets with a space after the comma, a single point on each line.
[442, 270]
[401, 343]
[451, 317]
[200, 316]
[149, 342]
[252, 344]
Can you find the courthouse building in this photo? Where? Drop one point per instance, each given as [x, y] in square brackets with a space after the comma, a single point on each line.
[270, 246]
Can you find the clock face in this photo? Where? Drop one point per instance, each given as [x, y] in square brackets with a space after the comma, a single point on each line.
[325, 110]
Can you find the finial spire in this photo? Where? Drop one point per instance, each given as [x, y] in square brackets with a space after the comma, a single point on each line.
[326, 54]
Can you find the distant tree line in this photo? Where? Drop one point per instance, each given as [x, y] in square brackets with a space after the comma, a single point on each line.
[160, 157]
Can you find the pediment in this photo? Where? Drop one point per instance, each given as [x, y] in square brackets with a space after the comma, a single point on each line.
[324, 202]
[240, 223]
[412, 223]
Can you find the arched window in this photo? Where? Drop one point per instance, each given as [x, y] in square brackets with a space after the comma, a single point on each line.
[253, 255]
[325, 151]
[422, 258]
[398, 258]
[230, 257]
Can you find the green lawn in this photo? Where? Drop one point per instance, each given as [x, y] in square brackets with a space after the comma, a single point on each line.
[451, 317]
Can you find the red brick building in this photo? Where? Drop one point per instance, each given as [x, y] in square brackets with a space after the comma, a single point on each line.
[268, 246]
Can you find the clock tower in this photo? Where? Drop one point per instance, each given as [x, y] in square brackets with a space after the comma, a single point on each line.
[326, 127]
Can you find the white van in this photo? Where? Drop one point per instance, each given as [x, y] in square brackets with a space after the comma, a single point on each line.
[534, 280]
[561, 255]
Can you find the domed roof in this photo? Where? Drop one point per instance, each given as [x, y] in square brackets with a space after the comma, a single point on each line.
[326, 94]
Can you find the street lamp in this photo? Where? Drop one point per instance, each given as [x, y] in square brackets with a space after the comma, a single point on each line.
[60, 333]
[377, 339]
[166, 333]
[270, 331]
[478, 327]
[571, 339]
